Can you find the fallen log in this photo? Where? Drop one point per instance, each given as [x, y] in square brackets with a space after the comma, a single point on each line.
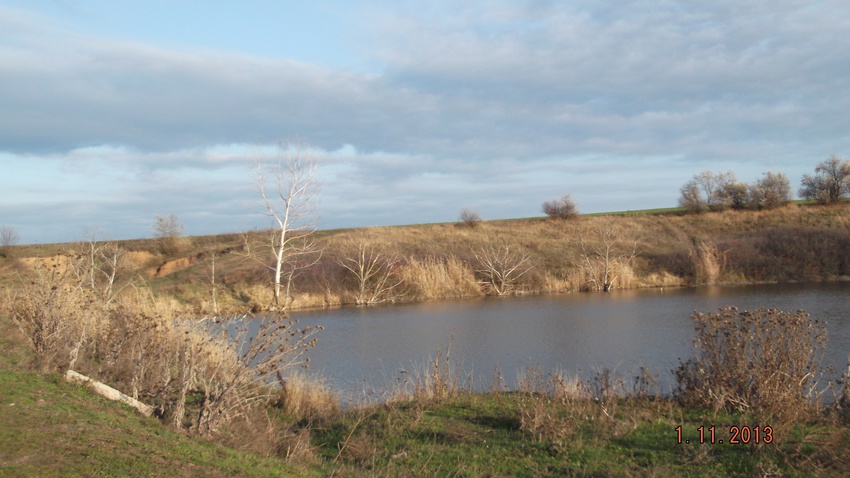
[108, 392]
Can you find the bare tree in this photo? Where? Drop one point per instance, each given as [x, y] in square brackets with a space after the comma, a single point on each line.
[605, 259]
[211, 255]
[287, 185]
[829, 184]
[96, 265]
[690, 197]
[500, 267]
[561, 208]
[373, 269]
[469, 217]
[168, 229]
[9, 237]
[708, 189]
[771, 191]
[738, 195]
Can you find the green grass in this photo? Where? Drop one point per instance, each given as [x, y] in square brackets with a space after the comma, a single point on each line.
[52, 428]
[481, 435]
[49, 427]
[663, 210]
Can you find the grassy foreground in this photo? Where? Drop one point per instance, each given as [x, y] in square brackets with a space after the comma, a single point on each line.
[49, 427]
[52, 428]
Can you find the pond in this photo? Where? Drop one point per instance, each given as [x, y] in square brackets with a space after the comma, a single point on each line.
[365, 350]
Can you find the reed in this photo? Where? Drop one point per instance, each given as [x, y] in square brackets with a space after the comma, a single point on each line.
[433, 277]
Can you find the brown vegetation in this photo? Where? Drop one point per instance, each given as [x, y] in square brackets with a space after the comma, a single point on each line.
[408, 263]
[764, 362]
[205, 376]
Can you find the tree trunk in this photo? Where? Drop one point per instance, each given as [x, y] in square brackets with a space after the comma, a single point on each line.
[108, 392]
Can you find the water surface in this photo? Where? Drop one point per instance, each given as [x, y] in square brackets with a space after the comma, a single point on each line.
[368, 348]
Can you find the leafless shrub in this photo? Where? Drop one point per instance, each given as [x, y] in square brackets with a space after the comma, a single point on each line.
[97, 265]
[708, 189]
[561, 208]
[501, 267]
[168, 230]
[243, 357]
[773, 190]
[135, 344]
[605, 260]
[9, 236]
[373, 270]
[469, 218]
[56, 315]
[829, 184]
[765, 362]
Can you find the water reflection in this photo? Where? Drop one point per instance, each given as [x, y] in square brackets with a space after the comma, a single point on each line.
[580, 333]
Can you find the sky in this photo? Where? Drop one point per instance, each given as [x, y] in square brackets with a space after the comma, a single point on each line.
[114, 112]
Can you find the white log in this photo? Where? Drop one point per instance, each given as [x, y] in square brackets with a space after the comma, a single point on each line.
[108, 392]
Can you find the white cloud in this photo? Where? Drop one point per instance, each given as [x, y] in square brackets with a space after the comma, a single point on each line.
[471, 103]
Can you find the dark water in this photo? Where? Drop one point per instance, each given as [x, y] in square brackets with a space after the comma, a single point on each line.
[365, 349]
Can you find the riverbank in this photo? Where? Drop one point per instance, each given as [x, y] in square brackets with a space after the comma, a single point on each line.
[552, 426]
[215, 274]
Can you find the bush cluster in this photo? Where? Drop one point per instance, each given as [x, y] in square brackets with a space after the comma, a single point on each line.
[201, 375]
[718, 191]
[765, 362]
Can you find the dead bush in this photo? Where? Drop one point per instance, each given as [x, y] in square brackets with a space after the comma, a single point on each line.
[562, 208]
[205, 375]
[764, 362]
[56, 314]
[469, 218]
[499, 268]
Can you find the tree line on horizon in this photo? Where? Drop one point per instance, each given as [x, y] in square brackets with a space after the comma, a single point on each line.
[707, 190]
[712, 191]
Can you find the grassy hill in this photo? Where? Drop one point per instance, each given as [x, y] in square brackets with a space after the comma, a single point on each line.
[52, 428]
[131, 336]
[654, 248]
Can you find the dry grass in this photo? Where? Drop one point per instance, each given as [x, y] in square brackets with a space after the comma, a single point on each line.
[766, 363]
[439, 278]
[208, 377]
[306, 398]
[439, 260]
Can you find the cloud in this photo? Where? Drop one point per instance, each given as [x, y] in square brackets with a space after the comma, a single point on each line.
[488, 104]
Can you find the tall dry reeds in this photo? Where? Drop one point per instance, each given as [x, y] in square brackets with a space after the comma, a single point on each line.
[709, 262]
[434, 278]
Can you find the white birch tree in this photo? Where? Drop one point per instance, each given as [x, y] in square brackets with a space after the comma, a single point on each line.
[287, 186]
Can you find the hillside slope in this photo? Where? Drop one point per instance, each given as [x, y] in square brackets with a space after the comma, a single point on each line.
[421, 262]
